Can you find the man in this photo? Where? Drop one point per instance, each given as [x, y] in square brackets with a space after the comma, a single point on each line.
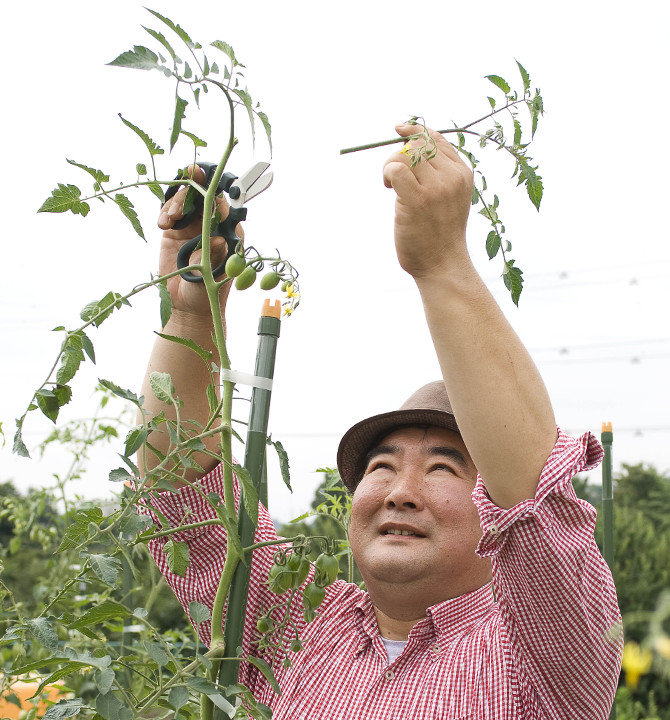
[518, 622]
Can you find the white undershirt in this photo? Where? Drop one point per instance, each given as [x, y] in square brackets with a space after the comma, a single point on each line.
[393, 648]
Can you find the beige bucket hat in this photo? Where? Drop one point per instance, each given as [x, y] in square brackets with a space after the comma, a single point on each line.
[429, 405]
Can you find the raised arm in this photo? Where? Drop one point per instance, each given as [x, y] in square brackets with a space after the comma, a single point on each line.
[191, 319]
[499, 399]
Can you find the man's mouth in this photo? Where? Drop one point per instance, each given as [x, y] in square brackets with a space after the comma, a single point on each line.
[401, 531]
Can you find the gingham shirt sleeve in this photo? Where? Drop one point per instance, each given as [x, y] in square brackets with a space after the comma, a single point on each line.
[556, 593]
[207, 551]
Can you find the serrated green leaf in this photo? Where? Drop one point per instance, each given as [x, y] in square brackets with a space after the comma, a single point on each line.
[67, 669]
[157, 191]
[492, 244]
[266, 124]
[98, 175]
[177, 556]
[64, 709]
[165, 304]
[212, 398]
[178, 697]
[179, 31]
[135, 523]
[524, 76]
[226, 49]
[141, 169]
[104, 679]
[105, 567]
[71, 359]
[206, 355]
[87, 345]
[48, 404]
[283, 461]
[98, 311]
[77, 530]
[196, 141]
[198, 612]
[120, 475]
[105, 611]
[188, 73]
[111, 708]
[517, 132]
[498, 82]
[157, 653]
[44, 632]
[248, 104]
[249, 492]
[139, 58]
[266, 670]
[135, 439]
[127, 208]
[162, 40]
[120, 392]
[492, 103]
[148, 142]
[64, 198]
[179, 114]
[162, 387]
[513, 279]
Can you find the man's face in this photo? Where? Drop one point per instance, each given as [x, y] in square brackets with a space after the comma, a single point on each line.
[413, 523]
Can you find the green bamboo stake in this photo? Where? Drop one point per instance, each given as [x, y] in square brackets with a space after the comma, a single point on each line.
[606, 439]
[254, 462]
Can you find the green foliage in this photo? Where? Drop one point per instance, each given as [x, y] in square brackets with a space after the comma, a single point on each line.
[507, 137]
[642, 577]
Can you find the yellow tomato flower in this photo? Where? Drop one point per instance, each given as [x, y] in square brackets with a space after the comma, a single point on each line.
[635, 662]
[291, 291]
[288, 310]
[406, 149]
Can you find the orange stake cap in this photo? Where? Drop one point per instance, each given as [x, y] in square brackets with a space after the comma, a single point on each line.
[607, 427]
[271, 308]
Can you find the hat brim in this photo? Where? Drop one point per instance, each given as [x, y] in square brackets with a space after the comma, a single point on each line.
[363, 436]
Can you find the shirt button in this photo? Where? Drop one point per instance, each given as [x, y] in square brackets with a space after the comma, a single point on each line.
[360, 648]
[389, 674]
[494, 529]
[435, 648]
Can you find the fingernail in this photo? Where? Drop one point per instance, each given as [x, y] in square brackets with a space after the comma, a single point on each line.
[163, 219]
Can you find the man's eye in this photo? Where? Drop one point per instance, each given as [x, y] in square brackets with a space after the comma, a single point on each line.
[377, 465]
[442, 467]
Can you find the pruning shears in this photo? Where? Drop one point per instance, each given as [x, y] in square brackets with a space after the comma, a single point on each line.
[240, 190]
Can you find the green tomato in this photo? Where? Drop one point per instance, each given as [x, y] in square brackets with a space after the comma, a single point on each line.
[246, 279]
[235, 264]
[263, 624]
[313, 595]
[299, 566]
[280, 579]
[327, 569]
[270, 280]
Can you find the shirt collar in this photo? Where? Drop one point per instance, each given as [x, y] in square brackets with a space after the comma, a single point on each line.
[446, 620]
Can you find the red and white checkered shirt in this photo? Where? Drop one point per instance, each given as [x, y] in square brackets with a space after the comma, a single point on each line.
[547, 647]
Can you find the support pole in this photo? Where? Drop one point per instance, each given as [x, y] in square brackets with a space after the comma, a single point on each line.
[254, 462]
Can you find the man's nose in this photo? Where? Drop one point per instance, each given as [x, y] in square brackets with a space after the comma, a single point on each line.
[404, 492]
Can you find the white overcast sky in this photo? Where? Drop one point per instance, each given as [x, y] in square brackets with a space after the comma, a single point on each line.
[596, 258]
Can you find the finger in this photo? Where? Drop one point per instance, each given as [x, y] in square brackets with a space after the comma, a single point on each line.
[398, 174]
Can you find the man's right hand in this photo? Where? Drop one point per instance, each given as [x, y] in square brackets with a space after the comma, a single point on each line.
[189, 297]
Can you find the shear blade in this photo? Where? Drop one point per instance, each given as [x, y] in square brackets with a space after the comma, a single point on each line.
[252, 182]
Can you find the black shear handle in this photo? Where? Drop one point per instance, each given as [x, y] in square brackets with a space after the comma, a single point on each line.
[226, 180]
[225, 229]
